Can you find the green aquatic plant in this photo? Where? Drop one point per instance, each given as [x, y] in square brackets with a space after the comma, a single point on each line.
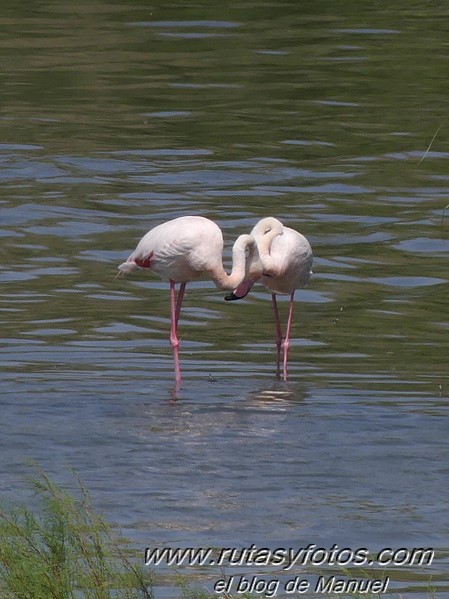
[442, 218]
[65, 551]
[432, 140]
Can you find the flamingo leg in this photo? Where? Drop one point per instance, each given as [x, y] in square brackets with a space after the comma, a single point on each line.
[287, 333]
[182, 289]
[278, 334]
[175, 307]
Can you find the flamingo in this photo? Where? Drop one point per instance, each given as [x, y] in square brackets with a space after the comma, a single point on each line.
[287, 265]
[185, 249]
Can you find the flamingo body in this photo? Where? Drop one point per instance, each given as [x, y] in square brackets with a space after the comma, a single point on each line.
[292, 258]
[180, 250]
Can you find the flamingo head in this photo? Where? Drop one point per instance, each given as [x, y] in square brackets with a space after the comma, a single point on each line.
[265, 231]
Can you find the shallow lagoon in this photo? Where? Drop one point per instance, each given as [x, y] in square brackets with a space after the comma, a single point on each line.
[119, 117]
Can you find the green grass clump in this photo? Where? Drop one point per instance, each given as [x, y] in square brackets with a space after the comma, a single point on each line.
[65, 551]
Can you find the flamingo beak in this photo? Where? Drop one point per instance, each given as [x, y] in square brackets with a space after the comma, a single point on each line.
[241, 291]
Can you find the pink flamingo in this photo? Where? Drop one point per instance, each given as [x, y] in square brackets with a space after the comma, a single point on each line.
[185, 249]
[287, 266]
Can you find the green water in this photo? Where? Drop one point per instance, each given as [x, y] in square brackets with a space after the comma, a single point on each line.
[330, 116]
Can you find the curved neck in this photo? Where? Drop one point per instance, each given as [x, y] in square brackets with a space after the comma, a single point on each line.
[264, 245]
[246, 264]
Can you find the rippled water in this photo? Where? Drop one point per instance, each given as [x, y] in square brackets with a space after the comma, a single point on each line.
[116, 118]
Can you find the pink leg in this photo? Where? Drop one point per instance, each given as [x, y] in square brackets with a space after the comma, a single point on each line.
[174, 330]
[278, 333]
[287, 333]
[182, 289]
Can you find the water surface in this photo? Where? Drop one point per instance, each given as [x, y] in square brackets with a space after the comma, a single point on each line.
[117, 117]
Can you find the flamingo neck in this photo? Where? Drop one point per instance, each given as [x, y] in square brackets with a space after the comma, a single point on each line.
[264, 243]
[246, 264]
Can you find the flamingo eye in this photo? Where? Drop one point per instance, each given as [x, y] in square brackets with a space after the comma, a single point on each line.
[267, 230]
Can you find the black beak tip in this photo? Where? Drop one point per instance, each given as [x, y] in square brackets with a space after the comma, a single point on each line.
[231, 297]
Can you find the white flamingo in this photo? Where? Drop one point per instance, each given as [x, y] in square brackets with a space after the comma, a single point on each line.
[185, 249]
[287, 266]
